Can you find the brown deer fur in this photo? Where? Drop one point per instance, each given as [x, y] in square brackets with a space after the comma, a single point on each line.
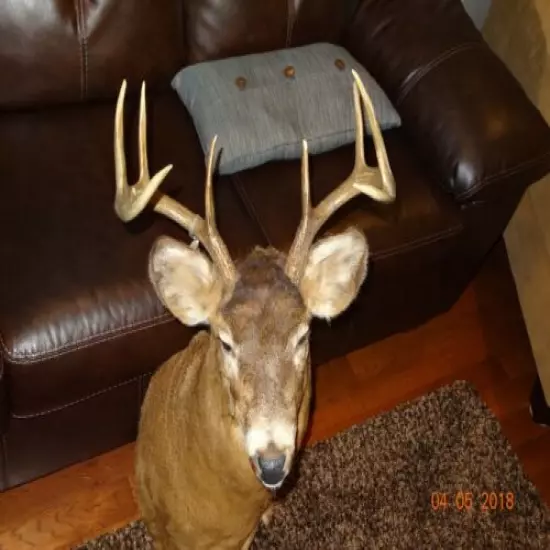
[196, 486]
[222, 419]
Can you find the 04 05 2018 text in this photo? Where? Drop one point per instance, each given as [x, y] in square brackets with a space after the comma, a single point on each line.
[464, 500]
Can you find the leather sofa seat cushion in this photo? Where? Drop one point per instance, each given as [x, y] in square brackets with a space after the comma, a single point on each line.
[422, 213]
[74, 277]
[62, 332]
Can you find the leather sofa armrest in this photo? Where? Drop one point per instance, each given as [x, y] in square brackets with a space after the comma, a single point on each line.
[464, 111]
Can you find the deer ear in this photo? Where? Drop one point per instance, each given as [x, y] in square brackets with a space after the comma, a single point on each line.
[185, 280]
[335, 270]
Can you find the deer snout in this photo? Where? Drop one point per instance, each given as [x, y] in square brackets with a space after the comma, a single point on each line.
[271, 467]
[271, 449]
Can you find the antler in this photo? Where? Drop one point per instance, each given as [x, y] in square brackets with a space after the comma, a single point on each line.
[377, 183]
[131, 200]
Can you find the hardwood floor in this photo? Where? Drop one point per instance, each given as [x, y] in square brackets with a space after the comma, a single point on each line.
[482, 339]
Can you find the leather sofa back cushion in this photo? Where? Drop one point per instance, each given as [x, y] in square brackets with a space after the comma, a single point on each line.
[54, 51]
[218, 29]
[69, 50]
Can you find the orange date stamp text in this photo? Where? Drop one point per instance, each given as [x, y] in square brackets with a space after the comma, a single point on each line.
[484, 501]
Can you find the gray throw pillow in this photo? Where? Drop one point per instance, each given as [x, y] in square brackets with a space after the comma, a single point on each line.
[261, 106]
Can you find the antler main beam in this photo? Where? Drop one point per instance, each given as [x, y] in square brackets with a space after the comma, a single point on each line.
[130, 201]
[377, 183]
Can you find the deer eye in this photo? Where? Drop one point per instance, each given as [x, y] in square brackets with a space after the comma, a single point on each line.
[226, 346]
[303, 340]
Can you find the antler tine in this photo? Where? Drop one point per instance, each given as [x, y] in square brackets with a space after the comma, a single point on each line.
[218, 250]
[383, 188]
[377, 183]
[130, 201]
[301, 239]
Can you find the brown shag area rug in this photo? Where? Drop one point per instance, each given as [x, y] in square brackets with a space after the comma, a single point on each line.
[433, 473]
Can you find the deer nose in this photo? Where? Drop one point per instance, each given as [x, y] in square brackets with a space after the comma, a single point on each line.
[272, 468]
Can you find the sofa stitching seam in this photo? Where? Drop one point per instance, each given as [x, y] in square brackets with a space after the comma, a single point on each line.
[388, 253]
[428, 68]
[83, 343]
[249, 206]
[84, 39]
[288, 25]
[476, 187]
[293, 12]
[78, 11]
[76, 401]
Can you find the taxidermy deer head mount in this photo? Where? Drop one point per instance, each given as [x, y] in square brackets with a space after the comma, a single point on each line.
[259, 312]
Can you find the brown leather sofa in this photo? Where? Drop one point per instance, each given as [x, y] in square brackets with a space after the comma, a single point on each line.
[81, 330]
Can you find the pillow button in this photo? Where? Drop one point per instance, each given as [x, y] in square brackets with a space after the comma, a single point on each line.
[240, 82]
[289, 71]
[340, 64]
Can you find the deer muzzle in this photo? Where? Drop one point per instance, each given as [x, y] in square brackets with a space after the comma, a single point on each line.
[271, 467]
[271, 451]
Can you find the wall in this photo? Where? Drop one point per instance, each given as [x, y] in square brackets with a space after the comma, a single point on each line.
[519, 32]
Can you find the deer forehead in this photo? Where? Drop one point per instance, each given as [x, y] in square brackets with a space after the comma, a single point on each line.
[265, 306]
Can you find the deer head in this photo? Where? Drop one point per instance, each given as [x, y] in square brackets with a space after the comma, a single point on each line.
[259, 312]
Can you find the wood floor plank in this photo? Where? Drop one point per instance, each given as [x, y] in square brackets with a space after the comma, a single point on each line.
[482, 339]
[69, 518]
[535, 456]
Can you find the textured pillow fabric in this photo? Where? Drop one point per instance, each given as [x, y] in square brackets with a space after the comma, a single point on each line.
[261, 106]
